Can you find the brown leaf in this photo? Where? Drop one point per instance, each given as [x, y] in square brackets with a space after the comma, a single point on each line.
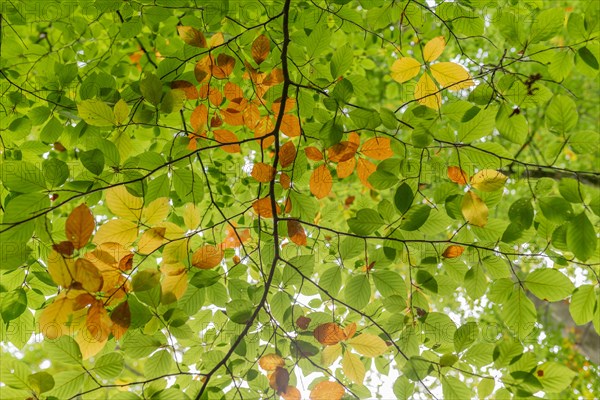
[192, 36]
[269, 362]
[207, 257]
[199, 118]
[279, 380]
[223, 67]
[225, 136]
[263, 172]
[262, 207]
[65, 247]
[312, 153]
[285, 181]
[290, 125]
[321, 182]
[121, 318]
[98, 322]
[457, 175]
[296, 232]
[377, 148]
[80, 225]
[327, 390]
[329, 333]
[302, 322]
[287, 154]
[453, 251]
[342, 151]
[346, 168]
[260, 49]
[202, 70]
[364, 169]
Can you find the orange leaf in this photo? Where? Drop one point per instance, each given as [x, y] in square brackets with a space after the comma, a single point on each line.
[327, 390]
[279, 380]
[260, 49]
[287, 154]
[232, 91]
[329, 333]
[377, 148]
[342, 151]
[285, 180]
[312, 153]
[321, 182]
[121, 318]
[365, 169]
[223, 67]
[192, 36]
[215, 96]
[263, 172]
[207, 257]
[296, 232]
[225, 136]
[98, 322]
[191, 93]
[235, 237]
[274, 78]
[291, 394]
[290, 125]
[269, 362]
[262, 207]
[453, 251]
[199, 118]
[456, 174]
[202, 70]
[289, 105]
[80, 225]
[65, 247]
[174, 282]
[345, 168]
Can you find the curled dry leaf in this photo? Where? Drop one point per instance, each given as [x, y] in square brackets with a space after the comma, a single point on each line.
[269, 362]
[327, 390]
[457, 175]
[287, 154]
[79, 226]
[263, 172]
[329, 333]
[377, 148]
[296, 232]
[262, 207]
[453, 251]
[207, 257]
[321, 182]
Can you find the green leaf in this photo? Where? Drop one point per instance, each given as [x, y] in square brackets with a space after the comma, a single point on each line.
[554, 377]
[512, 126]
[341, 61]
[588, 57]
[12, 304]
[465, 336]
[366, 222]
[581, 237]
[240, 311]
[96, 113]
[403, 198]
[41, 381]
[22, 177]
[389, 283]
[547, 24]
[417, 368]
[561, 114]
[549, 284]
[583, 303]
[415, 217]
[519, 314]
[454, 389]
[555, 209]
[160, 363]
[151, 88]
[93, 161]
[521, 213]
[477, 127]
[109, 365]
[358, 291]
[63, 349]
[365, 118]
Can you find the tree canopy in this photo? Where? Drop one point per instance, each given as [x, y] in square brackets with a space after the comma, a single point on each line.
[292, 199]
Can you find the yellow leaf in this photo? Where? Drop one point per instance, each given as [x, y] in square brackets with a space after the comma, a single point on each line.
[151, 240]
[321, 182]
[174, 282]
[327, 390]
[451, 75]
[353, 368]
[377, 148]
[404, 69]
[330, 354]
[191, 216]
[61, 269]
[488, 180]
[117, 231]
[368, 345]
[94, 334]
[175, 251]
[155, 212]
[54, 318]
[434, 48]
[350, 330]
[216, 40]
[207, 257]
[123, 204]
[474, 209]
[79, 226]
[88, 275]
[427, 93]
[269, 362]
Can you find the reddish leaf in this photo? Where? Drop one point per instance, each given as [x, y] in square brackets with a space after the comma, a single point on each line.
[191, 93]
[279, 380]
[312, 153]
[302, 322]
